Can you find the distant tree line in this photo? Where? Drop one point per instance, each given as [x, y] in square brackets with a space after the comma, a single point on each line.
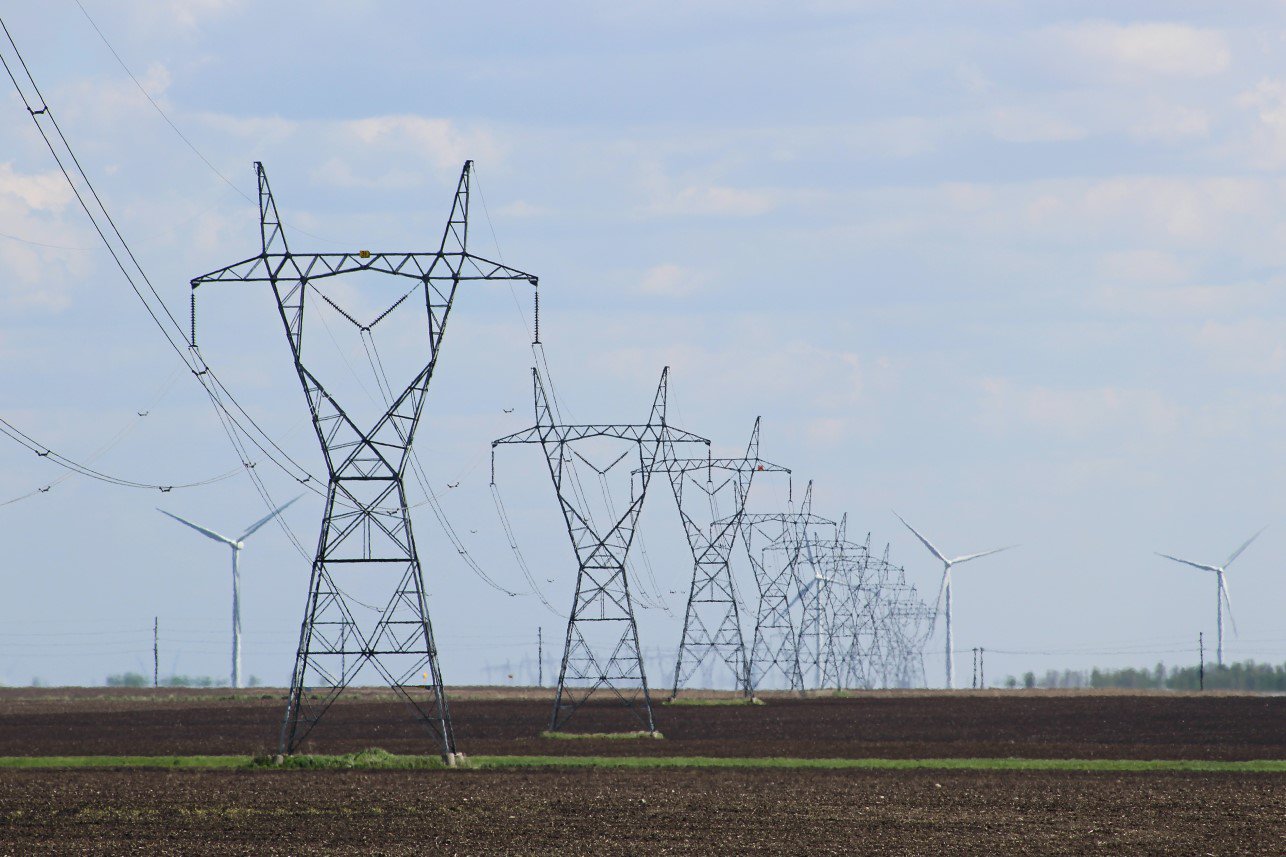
[133, 679]
[1242, 675]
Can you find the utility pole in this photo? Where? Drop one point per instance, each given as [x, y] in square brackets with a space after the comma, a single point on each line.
[1201, 667]
[540, 656]
[974, 650]
[156, 652]
[982, 667]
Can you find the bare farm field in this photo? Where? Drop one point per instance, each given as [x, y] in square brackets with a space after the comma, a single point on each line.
[537, 807]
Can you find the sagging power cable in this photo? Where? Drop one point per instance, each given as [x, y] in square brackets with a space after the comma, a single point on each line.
[232, 416]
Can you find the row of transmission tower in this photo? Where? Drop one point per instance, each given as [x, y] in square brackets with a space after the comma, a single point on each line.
[827, 613]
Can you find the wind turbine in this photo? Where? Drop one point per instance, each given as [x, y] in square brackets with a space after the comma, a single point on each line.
[236, 544]
[1221, 595]
[945, 589]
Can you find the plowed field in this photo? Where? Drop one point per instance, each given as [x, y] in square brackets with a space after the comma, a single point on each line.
[914, 725]
[633, 812]
[629, 811]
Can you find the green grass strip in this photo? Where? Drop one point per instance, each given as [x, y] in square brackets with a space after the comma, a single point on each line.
[1197, 765]
[365, 760]
[379, 759]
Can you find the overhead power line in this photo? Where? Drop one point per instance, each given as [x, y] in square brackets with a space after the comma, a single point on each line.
[240, 428]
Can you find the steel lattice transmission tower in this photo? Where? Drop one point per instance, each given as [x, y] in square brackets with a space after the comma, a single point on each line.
[712, 621]
[775, 645]
[366, 526]
[602, 644]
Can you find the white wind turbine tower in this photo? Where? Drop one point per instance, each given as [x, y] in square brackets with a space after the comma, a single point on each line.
[236, 544]
[1221, 594]
[945, 589]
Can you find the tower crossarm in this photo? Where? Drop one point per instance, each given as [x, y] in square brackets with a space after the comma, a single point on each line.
[797, 518]
[267, 267]
[730, 465]
[622, 431]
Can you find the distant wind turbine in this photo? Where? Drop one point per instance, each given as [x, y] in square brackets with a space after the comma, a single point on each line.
[945, 590]
[236, 544]
[1221, 595]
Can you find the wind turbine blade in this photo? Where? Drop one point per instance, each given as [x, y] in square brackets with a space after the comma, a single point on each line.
[802, 591]
[1223, 587]
[1238, 551]
[1189, 562]
[265, 519]
[968, 557]
[200, 529]
[922, 539]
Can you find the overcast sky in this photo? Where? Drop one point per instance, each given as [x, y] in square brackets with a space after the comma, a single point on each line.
[1011, 269]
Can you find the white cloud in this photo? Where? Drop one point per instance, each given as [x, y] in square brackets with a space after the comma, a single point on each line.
[1073, 412]
[1024, 125]
[337, 172]
[36, 278]
[39, 191]
[826, 431]
[1143, 266]
[156, 80]
[186, 15]
[972, 79]
[1183, 300]
[1166, 49]
[715, 200]
[794, 373]
[1249, 345]
[1268, 137]
[1173, 211]
[1169, 123]
[522, 208]
[670, 281]
[440, 141]
[259, 129]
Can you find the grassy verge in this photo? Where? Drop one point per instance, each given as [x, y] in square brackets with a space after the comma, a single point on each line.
[601, 736]
[1118, 765]
[379, 759]
[366, 760]
[693, 701]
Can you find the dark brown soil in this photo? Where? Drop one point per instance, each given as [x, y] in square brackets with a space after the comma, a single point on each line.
[630, 812]
[917, 725]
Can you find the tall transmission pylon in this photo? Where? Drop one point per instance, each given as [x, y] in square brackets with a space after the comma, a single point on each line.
[712, 597]
[775, 546]
[602, 644]
[366, 527]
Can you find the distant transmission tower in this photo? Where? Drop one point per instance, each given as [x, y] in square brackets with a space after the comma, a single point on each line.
[712, 621]
[602, 644]
[775, 545]
[366, 528]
